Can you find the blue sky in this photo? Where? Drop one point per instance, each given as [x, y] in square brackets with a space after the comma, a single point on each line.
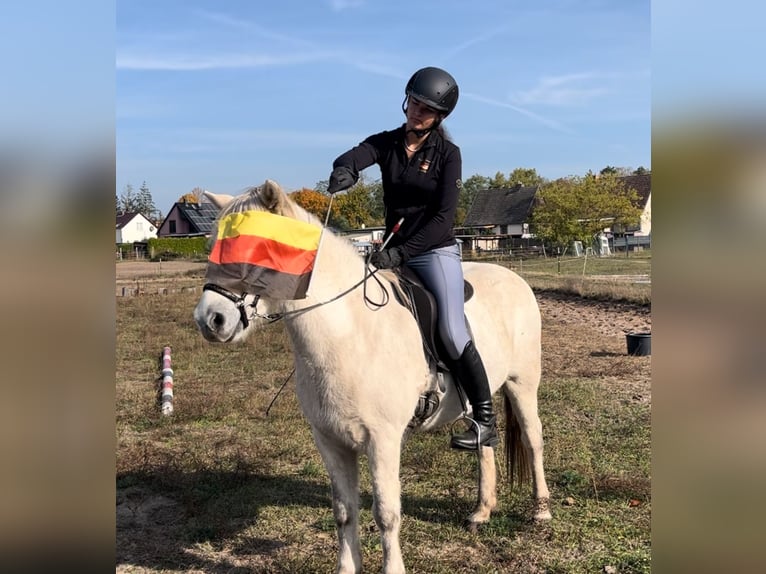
[223, 95]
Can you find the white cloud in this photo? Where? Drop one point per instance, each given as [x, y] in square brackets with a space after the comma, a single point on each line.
[566, 90]
[553, 124]
[340, 5]
[196, 62]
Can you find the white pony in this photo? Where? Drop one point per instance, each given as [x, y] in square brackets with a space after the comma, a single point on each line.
[360, 372]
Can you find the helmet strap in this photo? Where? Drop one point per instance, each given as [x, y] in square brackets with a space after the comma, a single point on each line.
[421, 133]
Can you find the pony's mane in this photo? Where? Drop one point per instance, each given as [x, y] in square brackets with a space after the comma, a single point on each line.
[250, 199]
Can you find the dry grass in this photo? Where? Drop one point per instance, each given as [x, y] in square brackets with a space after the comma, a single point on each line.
[220, 487]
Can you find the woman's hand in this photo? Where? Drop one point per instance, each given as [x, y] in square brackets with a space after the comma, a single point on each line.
[388, 258]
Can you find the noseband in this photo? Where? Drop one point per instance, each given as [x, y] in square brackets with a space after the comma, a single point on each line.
[238, 300]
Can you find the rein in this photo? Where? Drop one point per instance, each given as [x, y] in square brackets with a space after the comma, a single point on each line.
[239, 300]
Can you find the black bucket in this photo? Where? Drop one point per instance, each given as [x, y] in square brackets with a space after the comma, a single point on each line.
[639, 344]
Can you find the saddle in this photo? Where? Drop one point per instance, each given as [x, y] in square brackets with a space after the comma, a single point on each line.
[410, 292]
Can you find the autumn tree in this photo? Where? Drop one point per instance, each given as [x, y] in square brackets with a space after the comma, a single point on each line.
[188, 198]
[313, 202]
[578, 208]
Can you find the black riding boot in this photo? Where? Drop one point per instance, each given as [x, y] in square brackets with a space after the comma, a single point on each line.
[470, 374]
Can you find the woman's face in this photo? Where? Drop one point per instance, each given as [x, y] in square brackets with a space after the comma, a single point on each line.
[419, 115]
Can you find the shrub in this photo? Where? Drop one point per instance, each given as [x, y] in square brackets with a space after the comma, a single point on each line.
[178, 248]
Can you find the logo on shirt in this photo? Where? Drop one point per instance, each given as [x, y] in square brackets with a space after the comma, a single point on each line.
[424, 165]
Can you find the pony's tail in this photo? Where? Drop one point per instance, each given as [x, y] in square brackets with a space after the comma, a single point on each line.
[516, 458]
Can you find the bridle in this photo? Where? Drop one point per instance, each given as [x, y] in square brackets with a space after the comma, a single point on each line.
[238, 300]
[241, 300]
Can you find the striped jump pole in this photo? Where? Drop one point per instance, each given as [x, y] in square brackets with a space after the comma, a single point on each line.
[167, 383]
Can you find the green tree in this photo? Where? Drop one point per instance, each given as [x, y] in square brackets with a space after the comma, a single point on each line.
[499, 181]
[377, 208]
[468, 191]
[354, 206]
[361, 204]
[578, 208]
[612, 170]
[145, 202]
[526, 176]
[128, 201]
[640, 170]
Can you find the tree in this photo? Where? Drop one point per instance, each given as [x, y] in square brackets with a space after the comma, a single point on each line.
[526, 176]
[499, 181]
[145, 202]
[468, 191]
[190, 197]
[578, 208]
[611, 170]
[128, 202]
[641, 170]
[361, 204]
[354, 206]
[312, 201]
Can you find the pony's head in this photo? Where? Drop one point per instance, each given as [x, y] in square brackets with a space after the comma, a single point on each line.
[226, 309]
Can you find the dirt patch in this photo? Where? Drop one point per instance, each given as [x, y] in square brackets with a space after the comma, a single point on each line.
[131, 270]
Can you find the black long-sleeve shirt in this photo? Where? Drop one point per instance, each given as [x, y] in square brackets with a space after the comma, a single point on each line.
[423, 189]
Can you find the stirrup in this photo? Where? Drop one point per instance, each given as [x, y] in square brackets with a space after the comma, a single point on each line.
[427, 405]
[475, 438]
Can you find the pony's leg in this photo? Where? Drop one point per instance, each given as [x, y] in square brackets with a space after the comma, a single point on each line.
[343, 467]
[524, 402]
[383, 455]
[487, 489]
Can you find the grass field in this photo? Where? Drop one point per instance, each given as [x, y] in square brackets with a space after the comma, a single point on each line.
[222, 487]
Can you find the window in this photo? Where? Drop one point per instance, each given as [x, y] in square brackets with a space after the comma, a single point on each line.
[172, 224]
[139, 225]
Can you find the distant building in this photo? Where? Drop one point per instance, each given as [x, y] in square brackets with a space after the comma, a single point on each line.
[133, 227]
[189, 219]
[642, 184]
[498, 214]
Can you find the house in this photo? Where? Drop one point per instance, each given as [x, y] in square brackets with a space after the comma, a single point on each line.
[133, 227]
[642, 184]
[189, 219]
[497, 215]
[365, 239]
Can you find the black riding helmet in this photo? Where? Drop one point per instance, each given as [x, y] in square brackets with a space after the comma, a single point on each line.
[435, 88]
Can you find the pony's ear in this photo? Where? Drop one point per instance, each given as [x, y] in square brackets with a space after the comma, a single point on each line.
[220, 200]
[274, 199]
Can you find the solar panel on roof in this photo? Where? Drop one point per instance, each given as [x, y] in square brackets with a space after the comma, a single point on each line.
[201, 216]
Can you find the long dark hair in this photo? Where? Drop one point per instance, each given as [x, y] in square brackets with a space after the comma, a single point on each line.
[442, 131]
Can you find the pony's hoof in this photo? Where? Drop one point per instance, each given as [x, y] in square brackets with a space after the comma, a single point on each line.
[471, 526]
[542, 510]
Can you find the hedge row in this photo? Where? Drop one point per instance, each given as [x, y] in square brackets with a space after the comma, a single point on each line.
[178, 247]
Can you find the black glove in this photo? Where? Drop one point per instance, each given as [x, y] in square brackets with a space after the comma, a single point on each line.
[388, 258]
[341, 178]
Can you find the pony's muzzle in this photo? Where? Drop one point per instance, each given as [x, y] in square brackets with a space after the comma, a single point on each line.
[216, 325]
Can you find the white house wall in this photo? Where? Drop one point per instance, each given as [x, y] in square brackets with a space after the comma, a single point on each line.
[646, 218]
[137, 229]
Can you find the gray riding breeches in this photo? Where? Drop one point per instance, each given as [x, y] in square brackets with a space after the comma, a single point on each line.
[441, 272]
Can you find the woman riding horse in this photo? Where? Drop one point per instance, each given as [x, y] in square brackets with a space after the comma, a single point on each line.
[421, 171]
